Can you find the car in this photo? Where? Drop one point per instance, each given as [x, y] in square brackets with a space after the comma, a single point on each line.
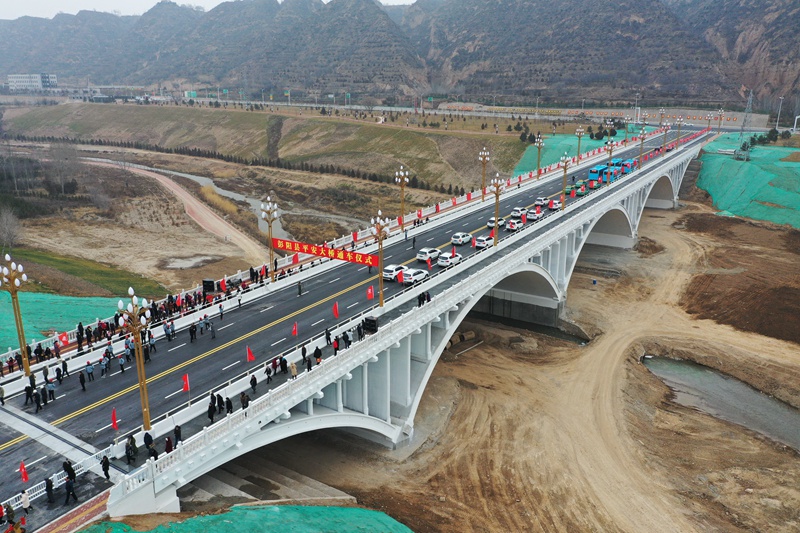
[391, 271]
[448, 259]
[500, 222]
[514, 224]
[568, 189]
[533, 216]
[460, 238]
[541, 201]
[484, 241]
[555, 205]
[414, 275]
[518, 212]
[427, 253]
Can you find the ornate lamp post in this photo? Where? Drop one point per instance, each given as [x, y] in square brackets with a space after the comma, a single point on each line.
[610, 144]
[626, 121]
[539, 144]
[496, 187]
[483, 157]
[401, 178]
[662, 111]
[579, 134]
[380, 230]
[708, 120]
[11, 280]
[679, 122]
[565, 164]
[642, 136]
[664, 146]
[720, 115]
[269, 213]
[135, 320]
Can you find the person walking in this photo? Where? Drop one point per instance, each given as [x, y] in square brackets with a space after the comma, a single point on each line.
[26, 501]
[105, 464]
[346, 339]
[253, 383]
[51, 390]
[48, 489]
[28, 394]
[45, 397]
[82, 380]
[168, 445]
[192, 332]
[268, 372]
[293, 368]
[335, 345]
[9, 514]
[299, 289]
[59, 375]
[220, 404]
[212, 330]
[68, 470]
[69, 487]
[275, 367]
[228, 405]
[207, 323]
[64, 369]
[129, 457]
[200, 325]
[166, 331]
[303, 353]
[172, 329]
[152, 343]
[177, 434]
[414, 242]
[89, 370]
[309, 365]
[220, 312]
[212, 408]
[121, 360]
[2, 395]
[284, 366]
[37, 399]
[327, 337]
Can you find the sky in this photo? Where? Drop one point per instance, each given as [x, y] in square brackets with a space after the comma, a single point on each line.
[12, 9]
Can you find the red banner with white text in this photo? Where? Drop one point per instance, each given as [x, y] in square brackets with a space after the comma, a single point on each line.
[324, 251]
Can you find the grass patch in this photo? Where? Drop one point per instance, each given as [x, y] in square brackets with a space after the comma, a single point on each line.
[212, 198]
[114, 280]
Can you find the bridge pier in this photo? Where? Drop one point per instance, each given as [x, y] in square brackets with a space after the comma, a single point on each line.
[498, 303]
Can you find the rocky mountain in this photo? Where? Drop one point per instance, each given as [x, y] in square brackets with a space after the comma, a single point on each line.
[505, 50]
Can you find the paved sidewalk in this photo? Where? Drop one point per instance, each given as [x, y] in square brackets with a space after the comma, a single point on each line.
[79, 516]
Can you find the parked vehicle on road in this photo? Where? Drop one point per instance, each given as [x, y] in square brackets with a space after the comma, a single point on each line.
[514, 224]
[484, 241]
[460, 238]
[491, 222]
[427, 253]
[555, 205]
[390, 272]
[414, 275]
[448, 259]
[518, 212]
[542, 200]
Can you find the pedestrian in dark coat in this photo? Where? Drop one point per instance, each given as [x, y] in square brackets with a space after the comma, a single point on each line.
[212, 408]
[253, 383]
[129, 453]
[59, 375]
[327, 337]
[48, 488]
[64, 369]
[69, 487]
[28, 394]
[303, 353]
[148, 440]
[105, 464]
[37, 399]
[309, 365]
[284, 365]
[82, 379]
[228, 405]
[268, 372]
[220, 404]
[68, 470]
[177, 434]
[167, 445]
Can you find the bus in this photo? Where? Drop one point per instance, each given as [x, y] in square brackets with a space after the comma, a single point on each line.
[629, 165]
[596, 171]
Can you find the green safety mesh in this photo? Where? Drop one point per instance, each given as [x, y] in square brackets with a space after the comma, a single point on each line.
[764, 188]
[274, 519]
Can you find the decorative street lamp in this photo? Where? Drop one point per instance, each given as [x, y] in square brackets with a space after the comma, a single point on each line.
[565, 164]
[679, 122]
[662, 111]
[627, 120]
[610, 143]
[579, 134]
[664, 146]
[709, 116]
[11, 280]
[401, 178]
[642, 136]
[720, 115]
[269, 213]
[496, 187]
[483, 157]
[135, 319]
[380, 230]
[539, 144]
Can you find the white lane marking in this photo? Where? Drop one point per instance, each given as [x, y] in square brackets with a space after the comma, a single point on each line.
[267, 309]
[230, 365]
[362, 268]
[109, 425]
[388, 257]
[302, 293]
[429, 240]
[278, 342]
[226, 326]
[33, 462]
[465, 225]
[173, 394]
[62, 396]
[334, 280]
[352, 305]
[317, 322]
[175, 348]
[410, 248]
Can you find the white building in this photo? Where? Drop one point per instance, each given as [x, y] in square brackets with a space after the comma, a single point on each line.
[32, 82]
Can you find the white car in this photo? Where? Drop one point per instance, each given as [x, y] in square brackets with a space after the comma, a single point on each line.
[514, 224]
[555, 205]
[460, 238]
[414, 275]
[427, 253]
[541, 201]
[390, 272]
[484, 241]
[518, 212]
[500, 222]
[448, 259]
[534, 216]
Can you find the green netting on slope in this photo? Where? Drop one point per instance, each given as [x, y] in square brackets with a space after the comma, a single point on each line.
[764, 188]
[275, 519]
[42, 312]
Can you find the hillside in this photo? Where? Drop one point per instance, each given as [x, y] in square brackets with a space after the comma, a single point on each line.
[508, 50]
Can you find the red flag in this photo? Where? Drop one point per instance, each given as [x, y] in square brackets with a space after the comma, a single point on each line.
[336, 309]
[572, 193]
[400, 277]
[63, 339]
[222, 284]
[355, 236]
[23, 471]
[550, 205]
[538, 210]
[469, 196]
[295, 259]
[250, 356]
[22, 521]
[114, 419]
[263, 271]
[419, 213]
[524, 218]
[399, 220]
[454, 201]
[437, 208]
[491, 233]
[178, 300]
[371, 291]
[186, 383]
[294, 329]
[454, 251]
[474, 242]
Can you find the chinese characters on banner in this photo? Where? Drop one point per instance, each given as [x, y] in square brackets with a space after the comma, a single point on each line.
[324, 251]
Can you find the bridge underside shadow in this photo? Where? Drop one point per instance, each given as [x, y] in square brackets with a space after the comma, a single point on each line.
[529, 296]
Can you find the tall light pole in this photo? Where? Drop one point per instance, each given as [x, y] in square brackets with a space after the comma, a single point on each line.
[539, 144]
[720, 115]
[401, 178]
[664, 146]
[779, 113]
[483, 157]
[636, 107]
[135, 320]
[380, 230]
[642, 136]
[609, 143]
[11, 280]
[579, 134]
[679, 122]
[709, 116]
[269, 213]
[662, 111]
[565, 164]
[627, 119]
[496, 187]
